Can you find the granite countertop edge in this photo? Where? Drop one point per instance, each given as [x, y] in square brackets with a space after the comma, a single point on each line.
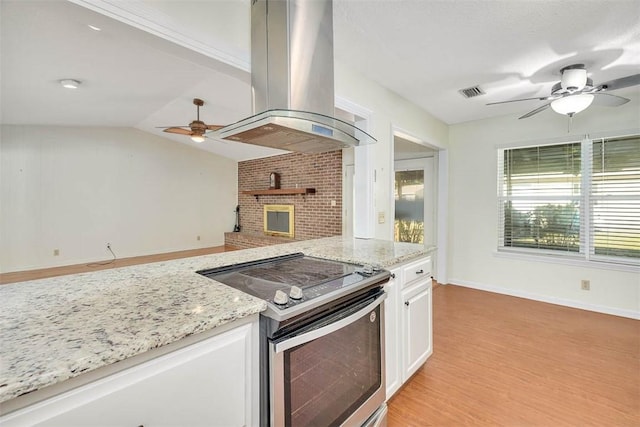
[58, 328]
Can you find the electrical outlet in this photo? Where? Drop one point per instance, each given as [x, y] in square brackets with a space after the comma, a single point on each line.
[585, 285]
[333, 203]
[380, 217]
[197, 237]
[56, 252]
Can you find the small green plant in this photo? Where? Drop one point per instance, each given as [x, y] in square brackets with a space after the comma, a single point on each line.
[409, 231]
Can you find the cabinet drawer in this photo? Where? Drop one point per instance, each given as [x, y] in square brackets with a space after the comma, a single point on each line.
[420, 269]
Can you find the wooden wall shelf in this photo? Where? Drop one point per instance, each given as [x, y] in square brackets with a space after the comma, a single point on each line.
[280, 192]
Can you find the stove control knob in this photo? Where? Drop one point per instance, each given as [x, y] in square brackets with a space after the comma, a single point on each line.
[295, 293]
[281, 298]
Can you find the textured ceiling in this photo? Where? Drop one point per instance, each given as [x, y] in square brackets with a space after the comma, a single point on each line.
[424, 50]
[428, 50]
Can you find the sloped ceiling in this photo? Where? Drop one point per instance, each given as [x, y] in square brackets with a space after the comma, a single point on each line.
[130, 77]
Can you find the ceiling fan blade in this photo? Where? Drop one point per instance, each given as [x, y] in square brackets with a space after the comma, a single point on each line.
[214, 127]
[536, 111]
[544, 98]
[609, 100]
[620, 83]
[178, 130]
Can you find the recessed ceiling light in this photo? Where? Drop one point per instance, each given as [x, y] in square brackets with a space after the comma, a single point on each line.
[70, 83]
[94, 28]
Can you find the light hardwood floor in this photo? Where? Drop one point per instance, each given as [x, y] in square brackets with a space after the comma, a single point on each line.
[506, 361]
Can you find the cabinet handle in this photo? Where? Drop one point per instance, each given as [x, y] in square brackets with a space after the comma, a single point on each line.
[407, 303]
[420, 271]
[393, 275]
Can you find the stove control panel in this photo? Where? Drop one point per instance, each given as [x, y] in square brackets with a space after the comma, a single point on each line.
[296, 295]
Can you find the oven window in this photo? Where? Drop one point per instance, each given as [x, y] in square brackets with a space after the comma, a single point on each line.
[327, 379]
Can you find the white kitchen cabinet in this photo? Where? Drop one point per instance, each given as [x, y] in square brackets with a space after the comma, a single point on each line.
[392, 331]
[417, 270]
[416, 327]
[408, 321]
[210, 383]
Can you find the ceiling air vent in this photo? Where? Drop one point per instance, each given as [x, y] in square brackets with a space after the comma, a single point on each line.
[470, 92]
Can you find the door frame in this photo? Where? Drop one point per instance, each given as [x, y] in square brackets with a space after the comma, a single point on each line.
[441, 198]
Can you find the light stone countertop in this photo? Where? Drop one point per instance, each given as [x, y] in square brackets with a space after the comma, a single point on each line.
[58, 328]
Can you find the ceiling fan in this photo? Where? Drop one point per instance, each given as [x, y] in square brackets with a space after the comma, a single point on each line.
[196, 129]
[575, 92]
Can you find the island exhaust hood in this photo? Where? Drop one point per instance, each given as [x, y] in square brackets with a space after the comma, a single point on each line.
[292, 81]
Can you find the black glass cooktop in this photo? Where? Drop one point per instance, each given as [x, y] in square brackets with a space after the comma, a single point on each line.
[294, 283]
[264, 277]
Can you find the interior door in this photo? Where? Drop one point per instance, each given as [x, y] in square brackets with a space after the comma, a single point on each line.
[414, 194]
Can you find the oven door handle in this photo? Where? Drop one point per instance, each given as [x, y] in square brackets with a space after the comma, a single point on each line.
[326, 330]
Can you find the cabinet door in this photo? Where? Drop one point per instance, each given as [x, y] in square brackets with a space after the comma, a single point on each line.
[205, 384]
[416, 327]
[392, 333]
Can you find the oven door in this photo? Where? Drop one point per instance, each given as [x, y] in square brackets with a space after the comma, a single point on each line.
[332, 372]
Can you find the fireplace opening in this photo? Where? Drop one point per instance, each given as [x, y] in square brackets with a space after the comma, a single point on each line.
[278, 220]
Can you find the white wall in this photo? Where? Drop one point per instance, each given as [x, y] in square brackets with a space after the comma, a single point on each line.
[77, 188]
[388, 110]
[473, 214]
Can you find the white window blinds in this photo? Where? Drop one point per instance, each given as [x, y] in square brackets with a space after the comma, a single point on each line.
[540, 198]
[578, 199]
[614, 224]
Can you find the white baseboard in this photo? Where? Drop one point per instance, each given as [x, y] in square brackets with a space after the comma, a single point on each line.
[543, 298]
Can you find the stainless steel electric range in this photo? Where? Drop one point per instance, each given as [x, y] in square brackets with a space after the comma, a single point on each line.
[322, 339]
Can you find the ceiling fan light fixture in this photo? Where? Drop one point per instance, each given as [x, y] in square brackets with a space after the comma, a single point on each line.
[70, 83]
[572, 104]
[197, 138]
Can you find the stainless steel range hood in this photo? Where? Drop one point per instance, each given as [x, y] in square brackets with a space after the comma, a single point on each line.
[292, 80]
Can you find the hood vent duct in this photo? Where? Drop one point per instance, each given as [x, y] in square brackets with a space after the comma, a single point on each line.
[292, 80]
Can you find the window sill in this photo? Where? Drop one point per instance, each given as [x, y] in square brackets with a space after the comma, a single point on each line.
[576, 261]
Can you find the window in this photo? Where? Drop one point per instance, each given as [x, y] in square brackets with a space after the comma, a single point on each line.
[615, 198]
[409, 206]
[577, 199]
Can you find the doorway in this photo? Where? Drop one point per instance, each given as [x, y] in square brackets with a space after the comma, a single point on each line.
[415, 190]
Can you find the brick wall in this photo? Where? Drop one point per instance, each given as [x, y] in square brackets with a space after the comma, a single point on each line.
[314, 216]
